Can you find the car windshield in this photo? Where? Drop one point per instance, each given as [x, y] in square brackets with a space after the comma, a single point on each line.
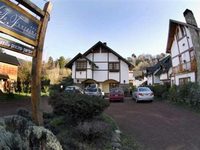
[117, 90]
[69, 88]
[91, 90]
[144, 89]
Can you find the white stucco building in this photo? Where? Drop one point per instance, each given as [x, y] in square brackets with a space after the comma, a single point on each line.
[137, 78]
[160, 73]
[180, 46]
[101, 65]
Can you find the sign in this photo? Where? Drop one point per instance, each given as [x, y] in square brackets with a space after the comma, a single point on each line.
[22, 24]
[8, 44]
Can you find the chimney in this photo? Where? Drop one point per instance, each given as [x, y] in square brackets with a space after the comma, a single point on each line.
[189, 17]
[105, 43]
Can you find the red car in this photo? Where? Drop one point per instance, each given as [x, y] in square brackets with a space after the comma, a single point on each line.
[116, 94]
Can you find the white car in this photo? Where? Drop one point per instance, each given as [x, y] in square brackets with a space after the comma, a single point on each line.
[73, 89]
[143, 94]
[94, 92]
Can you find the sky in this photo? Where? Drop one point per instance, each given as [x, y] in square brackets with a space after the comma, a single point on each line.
[128, 26]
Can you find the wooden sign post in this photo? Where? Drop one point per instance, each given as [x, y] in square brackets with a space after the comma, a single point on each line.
[37, 113]
[20, 24]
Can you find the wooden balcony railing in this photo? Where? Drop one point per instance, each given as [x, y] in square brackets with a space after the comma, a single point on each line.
[185, 67]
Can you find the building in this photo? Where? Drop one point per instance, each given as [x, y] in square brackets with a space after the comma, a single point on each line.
[137, 78]
[184, 46]
[100, 65]
[8, 69]
[160, 73]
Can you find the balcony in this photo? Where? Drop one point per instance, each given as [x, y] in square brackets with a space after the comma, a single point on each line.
[185, 67]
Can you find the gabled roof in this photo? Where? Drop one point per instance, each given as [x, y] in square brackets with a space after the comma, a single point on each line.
[98, 44]
[152, 69]
[79, 55]
[165, 65]
[109, 49]
[172, 30]
[8, 59]
[161, 67]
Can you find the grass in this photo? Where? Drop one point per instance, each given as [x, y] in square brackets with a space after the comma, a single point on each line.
[17, 96]
[127, 142]
[110, 121]
[13, 97]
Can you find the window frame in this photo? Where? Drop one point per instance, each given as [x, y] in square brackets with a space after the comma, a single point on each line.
[114, 66]
[81, 65]
[183, 81]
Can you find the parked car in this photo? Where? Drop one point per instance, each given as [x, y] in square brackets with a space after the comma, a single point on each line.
[93, 91]
[116, 94]
[143, 94]
[74, 89]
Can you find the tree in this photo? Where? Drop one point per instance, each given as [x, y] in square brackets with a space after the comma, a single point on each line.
[62, 62]
[24, 74]
[50, 63]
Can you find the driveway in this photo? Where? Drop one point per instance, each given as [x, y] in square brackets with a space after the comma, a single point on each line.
[158, 125]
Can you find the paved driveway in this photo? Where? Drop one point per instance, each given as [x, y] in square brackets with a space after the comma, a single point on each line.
[158, 125]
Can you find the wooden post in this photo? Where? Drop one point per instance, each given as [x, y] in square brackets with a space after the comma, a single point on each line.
[37, 112]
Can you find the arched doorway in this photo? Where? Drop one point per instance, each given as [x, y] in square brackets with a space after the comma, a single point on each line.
[88, 82]
[109, 84]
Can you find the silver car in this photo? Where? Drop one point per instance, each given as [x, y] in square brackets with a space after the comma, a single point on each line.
[142, 94]
[73, 89]
[94, 92]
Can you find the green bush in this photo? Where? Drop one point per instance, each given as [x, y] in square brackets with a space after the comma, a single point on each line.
[194, 94]
[93, 130]
[173, 95]
[160, 91]
[77, 107]
[188, 94]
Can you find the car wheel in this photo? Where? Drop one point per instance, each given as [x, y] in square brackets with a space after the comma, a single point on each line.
[136, 100]
[122, 100]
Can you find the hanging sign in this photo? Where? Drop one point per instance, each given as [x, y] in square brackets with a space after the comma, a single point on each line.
[17, 47]
[18, 23]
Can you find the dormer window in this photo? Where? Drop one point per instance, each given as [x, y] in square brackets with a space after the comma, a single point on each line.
[113, 66]
[81, 65]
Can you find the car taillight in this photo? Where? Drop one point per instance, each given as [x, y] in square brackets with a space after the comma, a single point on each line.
[140, 94]
[151, 94]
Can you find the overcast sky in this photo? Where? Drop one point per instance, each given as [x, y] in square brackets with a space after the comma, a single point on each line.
[128, 26]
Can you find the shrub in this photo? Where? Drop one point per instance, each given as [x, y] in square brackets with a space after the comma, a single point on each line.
[77, 107]
[186, 94]
[193, 94]
[173, 95]
[160, 91]
[93, 130]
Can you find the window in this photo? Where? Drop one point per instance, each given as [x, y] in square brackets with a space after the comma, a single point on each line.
[81, 65]
[113, 66]
[183, 81]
